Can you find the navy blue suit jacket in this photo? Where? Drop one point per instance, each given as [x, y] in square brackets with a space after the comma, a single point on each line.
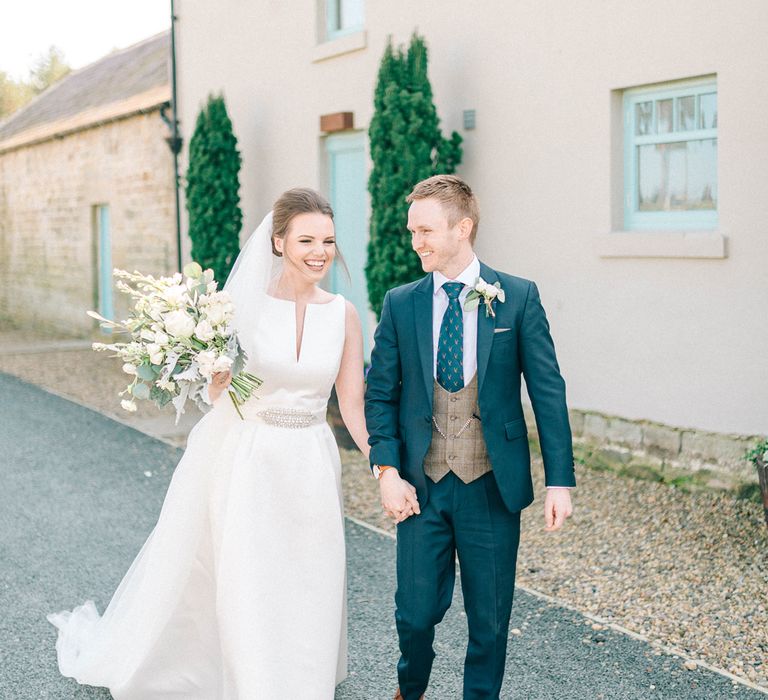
[399, 392]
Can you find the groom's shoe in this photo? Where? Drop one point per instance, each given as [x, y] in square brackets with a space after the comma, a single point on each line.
[399, 695]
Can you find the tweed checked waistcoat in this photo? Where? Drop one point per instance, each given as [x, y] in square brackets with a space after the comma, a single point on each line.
[461, 448]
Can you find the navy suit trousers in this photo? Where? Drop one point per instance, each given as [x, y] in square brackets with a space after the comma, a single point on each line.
[471, 521]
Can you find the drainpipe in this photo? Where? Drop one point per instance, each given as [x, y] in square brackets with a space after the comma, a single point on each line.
[175, 141]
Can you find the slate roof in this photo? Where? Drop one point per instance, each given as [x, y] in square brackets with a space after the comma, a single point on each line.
[143, 68]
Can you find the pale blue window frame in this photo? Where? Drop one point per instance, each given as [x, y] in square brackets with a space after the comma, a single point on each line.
[343, 17]
[692, 219]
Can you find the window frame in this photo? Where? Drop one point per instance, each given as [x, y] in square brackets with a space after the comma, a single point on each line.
[635, 220]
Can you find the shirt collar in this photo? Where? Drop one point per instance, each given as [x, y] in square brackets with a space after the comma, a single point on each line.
[468, 276]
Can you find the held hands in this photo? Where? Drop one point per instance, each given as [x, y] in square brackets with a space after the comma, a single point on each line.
[219, 383]
[398, 497]
[557, 507]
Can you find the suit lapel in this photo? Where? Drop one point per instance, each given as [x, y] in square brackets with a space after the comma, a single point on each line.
[485, 328]
[422, 314]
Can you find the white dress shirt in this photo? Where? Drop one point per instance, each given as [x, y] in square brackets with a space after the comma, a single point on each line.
[439, 305]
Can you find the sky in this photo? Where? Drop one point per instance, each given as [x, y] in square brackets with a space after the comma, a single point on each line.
[85, 30]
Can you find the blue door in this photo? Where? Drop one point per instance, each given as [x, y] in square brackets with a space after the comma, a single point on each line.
[104, 253]
[349, 199]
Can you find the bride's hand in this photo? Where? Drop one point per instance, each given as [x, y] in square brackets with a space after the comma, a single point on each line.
[219, 383]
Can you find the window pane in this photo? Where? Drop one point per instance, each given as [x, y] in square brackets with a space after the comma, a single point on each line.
[708, 111]
[643, 118]
[678, 176]
[664, 116]
[686, 113]
[351, 14]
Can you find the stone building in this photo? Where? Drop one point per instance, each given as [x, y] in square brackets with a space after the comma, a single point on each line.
[620, 160]
[86, 185]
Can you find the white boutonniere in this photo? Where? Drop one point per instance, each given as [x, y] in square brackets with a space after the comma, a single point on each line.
[487, 292]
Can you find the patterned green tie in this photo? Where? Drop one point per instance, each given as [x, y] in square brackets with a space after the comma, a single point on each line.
[450, 344]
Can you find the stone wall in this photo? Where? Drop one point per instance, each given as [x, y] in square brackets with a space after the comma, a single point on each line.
[48, 191]
[714, 459]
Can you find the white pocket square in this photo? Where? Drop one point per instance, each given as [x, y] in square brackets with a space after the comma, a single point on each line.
[501, 330]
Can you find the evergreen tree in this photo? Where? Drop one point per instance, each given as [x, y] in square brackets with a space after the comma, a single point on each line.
[48, 69]
[13, 94]
[213, 200]
[406, 146]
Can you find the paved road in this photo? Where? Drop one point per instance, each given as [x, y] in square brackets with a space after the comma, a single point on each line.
[75, 506]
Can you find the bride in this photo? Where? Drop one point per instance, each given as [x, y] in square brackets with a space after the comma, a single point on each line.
[239, 591]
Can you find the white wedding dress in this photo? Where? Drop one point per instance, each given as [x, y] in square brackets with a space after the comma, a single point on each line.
[239, 592]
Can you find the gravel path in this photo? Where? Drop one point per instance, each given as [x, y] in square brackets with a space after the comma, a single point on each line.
[687, 571]
[71, 520]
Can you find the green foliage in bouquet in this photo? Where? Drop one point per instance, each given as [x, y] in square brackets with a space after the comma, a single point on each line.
[213, 184]
[407, 146]
[180, 334]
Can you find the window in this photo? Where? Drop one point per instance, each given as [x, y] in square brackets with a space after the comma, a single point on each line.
[670, 156]
[343, 17]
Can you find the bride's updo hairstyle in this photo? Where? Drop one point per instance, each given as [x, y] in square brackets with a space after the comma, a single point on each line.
[299, 200]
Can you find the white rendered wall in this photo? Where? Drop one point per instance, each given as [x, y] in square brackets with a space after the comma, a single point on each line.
[677, 340]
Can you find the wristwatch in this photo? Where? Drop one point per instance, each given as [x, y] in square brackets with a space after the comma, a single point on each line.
[378, 471]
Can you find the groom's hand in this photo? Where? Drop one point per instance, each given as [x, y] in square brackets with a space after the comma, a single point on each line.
[557, 507]
[398, 497]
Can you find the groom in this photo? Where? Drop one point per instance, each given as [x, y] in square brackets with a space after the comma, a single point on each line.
[448, 438]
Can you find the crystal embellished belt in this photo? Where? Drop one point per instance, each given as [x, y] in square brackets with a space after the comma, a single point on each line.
[287, 417]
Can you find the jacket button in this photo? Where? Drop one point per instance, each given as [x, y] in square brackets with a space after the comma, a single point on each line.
[454, 398]
[453, 417]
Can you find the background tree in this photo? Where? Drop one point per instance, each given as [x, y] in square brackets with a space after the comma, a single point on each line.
[13, 94]
[406, 146]
[213, 185]
[48, 68]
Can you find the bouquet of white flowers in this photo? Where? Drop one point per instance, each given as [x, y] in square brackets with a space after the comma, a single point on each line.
[181, 335]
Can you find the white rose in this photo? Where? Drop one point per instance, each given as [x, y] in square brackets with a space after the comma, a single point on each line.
[147, 334]
[481, 286]
[204, 331]
[128, 405]
[161, 338]
[176, 295]
[128, 368]
[179, 323]
[155, 353]
[222, 364]
[215, 313]
[491, 292]
[206, 361]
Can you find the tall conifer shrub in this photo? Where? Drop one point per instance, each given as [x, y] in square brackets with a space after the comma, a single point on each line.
[213, 200]
[406, 146]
